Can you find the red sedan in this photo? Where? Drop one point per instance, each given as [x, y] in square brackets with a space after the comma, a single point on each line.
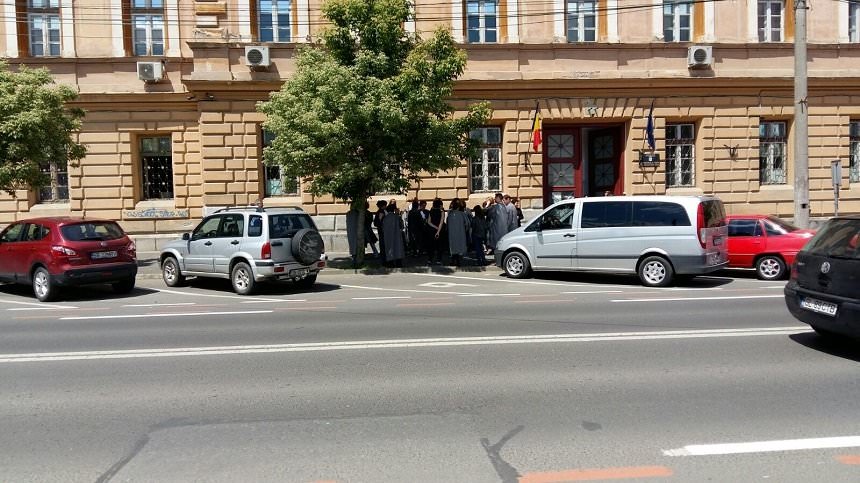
[49, 253]
[766, 243]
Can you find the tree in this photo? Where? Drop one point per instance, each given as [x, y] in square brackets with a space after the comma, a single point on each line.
[367, 109]
[36, 127]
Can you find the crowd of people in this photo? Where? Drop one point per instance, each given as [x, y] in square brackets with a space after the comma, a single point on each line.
[440, 234]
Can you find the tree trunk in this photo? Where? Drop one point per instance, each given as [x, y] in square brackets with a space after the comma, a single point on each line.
[361, 212]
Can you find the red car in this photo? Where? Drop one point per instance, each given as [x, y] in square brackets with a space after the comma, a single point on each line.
[766, 243]
[49, 253]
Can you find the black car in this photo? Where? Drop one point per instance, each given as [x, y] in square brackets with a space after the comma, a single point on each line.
[824, 290]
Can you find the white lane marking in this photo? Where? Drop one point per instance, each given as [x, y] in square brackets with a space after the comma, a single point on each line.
[398, 343]
[192, 294]
[679, 299]
[31, 308]
[776, 286]
[765, 446]
[596, 291]
[269, 301]
[490, 295]
[38, 304]
[178, 314]
[445, 284]
[403, 290]
[160, 305]
[509, 280]
[383, 298]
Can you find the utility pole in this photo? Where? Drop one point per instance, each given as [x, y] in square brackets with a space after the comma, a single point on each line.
[801, 119]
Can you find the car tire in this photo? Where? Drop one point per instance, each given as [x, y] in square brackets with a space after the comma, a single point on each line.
[43, 286]
[123, 286]
[170, 273]
[242, 279]
[516, 264]
[307, 282]
[655, 271]
[770, 267]
[307, 246]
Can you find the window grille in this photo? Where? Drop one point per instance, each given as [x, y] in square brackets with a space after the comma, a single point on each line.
[772, 144]
[680, 155]
[57, 191]
[854, 154]
[485, 169]
[276, 184]
[157, 166]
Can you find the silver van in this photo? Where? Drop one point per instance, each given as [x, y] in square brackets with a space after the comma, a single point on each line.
[655, 237]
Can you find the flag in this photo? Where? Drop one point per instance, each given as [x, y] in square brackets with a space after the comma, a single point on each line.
[649, 128]
[536, 129]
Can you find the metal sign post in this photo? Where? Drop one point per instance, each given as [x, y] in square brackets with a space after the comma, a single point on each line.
[836, 174]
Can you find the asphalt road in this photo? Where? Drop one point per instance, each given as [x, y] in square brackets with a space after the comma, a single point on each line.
[467, 376]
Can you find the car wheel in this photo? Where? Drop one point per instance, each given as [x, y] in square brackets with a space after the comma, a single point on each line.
[770, 267]
[655, 272]
[170, 272]
[307, 282]
[242, 278]
[43, 286]
[123, 286]
[516, 265]
[307, 246]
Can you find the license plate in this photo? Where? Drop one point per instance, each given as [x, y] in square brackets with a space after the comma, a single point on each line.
[299, 272]
[718, 240]
[818, 306]
[102, 255]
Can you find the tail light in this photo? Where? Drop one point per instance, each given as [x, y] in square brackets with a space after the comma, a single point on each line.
[131, 249]
[63, 251]
[266, 251]
[700, 226]
[794, 272]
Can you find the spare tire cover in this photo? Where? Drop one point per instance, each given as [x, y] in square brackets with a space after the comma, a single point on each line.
[307, 246]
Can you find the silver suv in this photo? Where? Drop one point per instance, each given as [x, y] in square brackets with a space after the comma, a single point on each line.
[248, 245]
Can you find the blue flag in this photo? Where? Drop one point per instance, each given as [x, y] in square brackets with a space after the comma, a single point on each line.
[649, 128]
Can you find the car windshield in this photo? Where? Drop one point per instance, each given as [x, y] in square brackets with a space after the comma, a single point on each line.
[838, 239]
[92, 230]
[778, 226]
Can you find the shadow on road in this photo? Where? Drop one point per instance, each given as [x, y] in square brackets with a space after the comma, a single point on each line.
[622, 279]
[374, 266]
[77, 293]
[276, 288]
[840, 347]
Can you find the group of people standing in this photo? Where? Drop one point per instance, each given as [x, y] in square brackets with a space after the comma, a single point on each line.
[436, 231]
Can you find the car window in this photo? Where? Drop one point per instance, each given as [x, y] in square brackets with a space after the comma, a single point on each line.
[838, 239]
[12, 233]
[35, 232]
[659, 213]
[92, 231]
[558, 218]
[232, 226]
[255, 225]
[744, 227]
[287, 224]
[208, 228]
[776, 227]
[607, 214]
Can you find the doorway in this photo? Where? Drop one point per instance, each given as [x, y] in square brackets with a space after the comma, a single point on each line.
[582, 161]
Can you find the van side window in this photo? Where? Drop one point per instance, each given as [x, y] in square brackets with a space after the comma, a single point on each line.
[558, 218]
[659, 213]
[607, 214]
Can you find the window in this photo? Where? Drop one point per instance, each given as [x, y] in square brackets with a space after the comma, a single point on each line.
[582, 20]
[854, 20]
[744, 227]
[680, 155]
[276, 183]
[482, 21]
[659, 213]
[607, 214]
[35, 232]
[485, 169]
[231, 226]
[273, 20]
[147, 22]
[156, 161]
[57, 191]
[558, 218]
[770, 16]
[771, 157]
[12, 233]
[208, 228]
[677, 20]
[43, 27]
[854, 152]
[255, 225]
[92, 230]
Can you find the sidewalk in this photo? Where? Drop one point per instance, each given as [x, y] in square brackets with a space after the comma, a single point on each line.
[149, 268]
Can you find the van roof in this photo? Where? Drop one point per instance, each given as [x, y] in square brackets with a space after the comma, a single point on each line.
[647, 198]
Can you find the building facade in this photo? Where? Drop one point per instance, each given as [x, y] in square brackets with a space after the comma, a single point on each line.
[170, 88]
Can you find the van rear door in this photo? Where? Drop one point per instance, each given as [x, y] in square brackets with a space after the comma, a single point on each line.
[712, 231]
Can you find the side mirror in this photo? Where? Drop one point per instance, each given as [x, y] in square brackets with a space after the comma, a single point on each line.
[186, 236]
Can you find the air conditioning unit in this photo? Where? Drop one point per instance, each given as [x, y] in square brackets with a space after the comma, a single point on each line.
[700, 56]
[257, 56]
[150, 71]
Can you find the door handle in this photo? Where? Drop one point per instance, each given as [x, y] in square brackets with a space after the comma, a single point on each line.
[234, 242]
[208, 244]
[570, 235]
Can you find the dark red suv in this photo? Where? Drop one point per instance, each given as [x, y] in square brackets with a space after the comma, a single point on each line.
[53, 252]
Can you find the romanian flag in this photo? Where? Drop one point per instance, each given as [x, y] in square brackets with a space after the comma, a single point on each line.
[536, 129]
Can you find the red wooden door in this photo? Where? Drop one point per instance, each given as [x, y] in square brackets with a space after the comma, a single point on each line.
[562, 168]
[605, 175]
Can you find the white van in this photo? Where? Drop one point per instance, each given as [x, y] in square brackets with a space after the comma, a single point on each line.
[656, 237]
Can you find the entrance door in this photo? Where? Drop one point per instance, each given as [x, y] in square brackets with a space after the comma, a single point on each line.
[604, 162]
[562, 175]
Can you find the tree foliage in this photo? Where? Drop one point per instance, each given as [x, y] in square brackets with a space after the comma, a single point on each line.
[36, 127]
[367, 109]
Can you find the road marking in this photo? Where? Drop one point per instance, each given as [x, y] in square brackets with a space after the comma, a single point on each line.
[764, 446]
[270, 301]
[175, 314]
[680, 299]
[596, 291]
[434, 304]
[28, 309]
[849, 459]
[362, 287]
[596, 474]
[490, 295]
[398, 344]
[544, 301]
[160, 305]
[509, 280]
[192, 294]
[38, 304]
[383, 298]
[445, 284]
